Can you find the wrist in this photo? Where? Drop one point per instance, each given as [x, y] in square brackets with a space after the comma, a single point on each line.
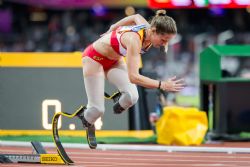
[159, 85]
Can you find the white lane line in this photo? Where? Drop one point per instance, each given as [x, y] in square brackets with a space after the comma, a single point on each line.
[154, 154]
[134, 154]
[159, 159]
[130, 147]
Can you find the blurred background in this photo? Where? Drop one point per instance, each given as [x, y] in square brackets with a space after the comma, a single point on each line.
[70, 25]
[66, 26]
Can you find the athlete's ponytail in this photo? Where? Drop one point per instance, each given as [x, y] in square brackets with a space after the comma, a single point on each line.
[160, 13]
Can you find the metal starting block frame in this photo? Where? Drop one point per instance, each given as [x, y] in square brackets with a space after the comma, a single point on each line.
[39, 155]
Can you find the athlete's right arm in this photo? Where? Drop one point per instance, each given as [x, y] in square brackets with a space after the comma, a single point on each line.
[133, 44]
[135, 19]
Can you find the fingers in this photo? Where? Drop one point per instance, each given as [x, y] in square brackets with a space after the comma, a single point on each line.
[174, 85]
[180, 84]
[179, 81]
[177, 89]
[172, 78]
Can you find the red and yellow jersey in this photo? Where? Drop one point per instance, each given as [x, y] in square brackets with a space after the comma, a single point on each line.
[115, 40]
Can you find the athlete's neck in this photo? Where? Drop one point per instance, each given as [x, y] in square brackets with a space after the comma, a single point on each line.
[146, 39]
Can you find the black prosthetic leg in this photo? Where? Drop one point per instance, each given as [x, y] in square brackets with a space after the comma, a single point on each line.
[90, 131]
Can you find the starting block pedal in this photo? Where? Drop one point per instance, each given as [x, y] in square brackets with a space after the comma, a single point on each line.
[40, 156]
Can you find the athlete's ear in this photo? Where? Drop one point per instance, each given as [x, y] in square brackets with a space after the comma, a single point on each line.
[153, 29]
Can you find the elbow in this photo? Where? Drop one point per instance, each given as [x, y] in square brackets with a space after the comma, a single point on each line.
[134, 78]
[137, 17]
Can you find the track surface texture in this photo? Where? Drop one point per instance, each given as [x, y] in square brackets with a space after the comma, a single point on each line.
[115, 158]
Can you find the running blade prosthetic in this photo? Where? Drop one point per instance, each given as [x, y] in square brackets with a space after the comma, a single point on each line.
[90, 130]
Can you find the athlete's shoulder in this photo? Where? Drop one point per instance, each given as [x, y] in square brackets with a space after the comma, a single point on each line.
[137, 28]
[134, 28]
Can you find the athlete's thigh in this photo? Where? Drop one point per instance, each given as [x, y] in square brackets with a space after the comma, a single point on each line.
[118, 75]
[91, 67]
[93, 75]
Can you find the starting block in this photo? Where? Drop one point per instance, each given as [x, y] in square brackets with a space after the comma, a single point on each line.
[40, 156]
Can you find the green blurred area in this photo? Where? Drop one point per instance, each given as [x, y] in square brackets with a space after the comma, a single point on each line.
[71, 139]
[191, 101]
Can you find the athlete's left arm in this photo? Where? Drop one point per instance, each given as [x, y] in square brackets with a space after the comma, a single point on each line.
[132, 42]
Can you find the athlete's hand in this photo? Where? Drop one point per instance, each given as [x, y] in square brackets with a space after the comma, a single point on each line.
[173, 84]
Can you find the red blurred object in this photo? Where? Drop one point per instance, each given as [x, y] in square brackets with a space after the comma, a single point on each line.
[172, 4]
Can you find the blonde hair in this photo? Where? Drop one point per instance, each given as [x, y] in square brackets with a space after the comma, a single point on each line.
[163, 23]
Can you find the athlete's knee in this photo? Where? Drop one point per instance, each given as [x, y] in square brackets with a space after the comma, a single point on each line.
[93, 113]
[126, 100]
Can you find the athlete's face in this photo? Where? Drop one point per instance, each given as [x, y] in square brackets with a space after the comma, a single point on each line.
[159, 40]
